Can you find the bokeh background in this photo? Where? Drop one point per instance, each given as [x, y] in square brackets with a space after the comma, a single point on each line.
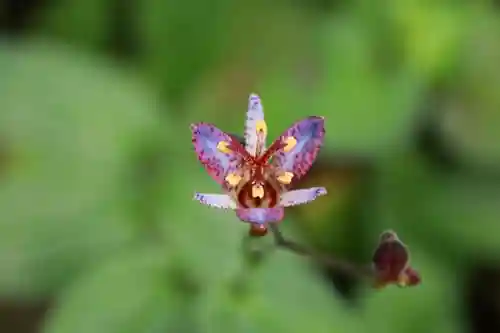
[98, 232]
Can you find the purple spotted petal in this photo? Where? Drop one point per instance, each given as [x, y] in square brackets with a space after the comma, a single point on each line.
[255, 113]
[309, 134]
[218, 165]
[300, 197]
[261, 215]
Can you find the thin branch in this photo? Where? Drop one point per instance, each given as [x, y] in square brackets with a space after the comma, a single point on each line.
[359, 271]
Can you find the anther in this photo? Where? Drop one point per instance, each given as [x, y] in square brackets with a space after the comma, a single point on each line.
[233, 179]
[285, 178]
[290, 143]
[258, 191]
[222, 146]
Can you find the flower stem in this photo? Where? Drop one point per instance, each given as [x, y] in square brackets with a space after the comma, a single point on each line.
[355, 270]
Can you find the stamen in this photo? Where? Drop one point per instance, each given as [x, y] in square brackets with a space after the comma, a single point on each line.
[261, 127]
[258, 191]
[285, 178]
[290, 143]
[223, 147]
[233, 179]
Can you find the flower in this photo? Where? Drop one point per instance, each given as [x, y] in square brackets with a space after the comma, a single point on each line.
[391, 262]
[256, 180]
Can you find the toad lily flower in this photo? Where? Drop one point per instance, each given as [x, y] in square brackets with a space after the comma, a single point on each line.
[256, 180]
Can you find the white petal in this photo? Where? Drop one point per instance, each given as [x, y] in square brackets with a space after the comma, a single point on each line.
[255, 114]
[222, 201]
[299, 197]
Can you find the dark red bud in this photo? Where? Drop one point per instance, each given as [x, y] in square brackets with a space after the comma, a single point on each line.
[391, 262]
[390, 259]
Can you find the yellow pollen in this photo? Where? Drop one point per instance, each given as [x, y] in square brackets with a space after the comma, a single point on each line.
[290, 143]
[233, 179]
[285, 178]
[222, 147]
[258, 191]
[261, 126]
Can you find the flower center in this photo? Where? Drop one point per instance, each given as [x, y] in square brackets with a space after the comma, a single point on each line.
[258, 195]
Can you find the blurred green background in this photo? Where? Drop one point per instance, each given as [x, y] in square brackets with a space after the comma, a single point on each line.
[98, 232]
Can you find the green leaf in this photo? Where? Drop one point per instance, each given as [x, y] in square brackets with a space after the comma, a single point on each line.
[135, 292]
[224, 41]
[430, 35]
[283, 295]
[181, 43]
[69, 128]
[83, 22]
[468, 111]
[366, 109]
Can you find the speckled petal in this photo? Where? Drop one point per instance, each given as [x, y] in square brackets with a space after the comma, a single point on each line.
[299, 197]
[215, 200]
[255, 114]
[309, 134]
[218, 164]
[261, 215]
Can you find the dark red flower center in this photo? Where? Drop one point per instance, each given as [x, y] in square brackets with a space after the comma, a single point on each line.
[258, 195]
